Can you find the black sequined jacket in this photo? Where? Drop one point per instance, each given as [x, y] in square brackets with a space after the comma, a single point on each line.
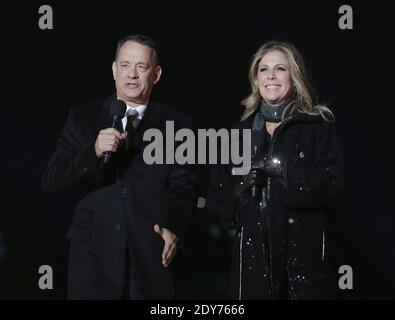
[299, 215]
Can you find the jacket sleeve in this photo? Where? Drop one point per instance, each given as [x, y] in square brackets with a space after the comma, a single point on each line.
[181, 199]
[72, 163]
[221, 198]
[181, 196]
[320, 184]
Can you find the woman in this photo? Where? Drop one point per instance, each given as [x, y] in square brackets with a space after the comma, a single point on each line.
[283, 209]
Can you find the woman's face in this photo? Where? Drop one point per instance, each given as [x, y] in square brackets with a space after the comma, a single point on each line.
[274, 77]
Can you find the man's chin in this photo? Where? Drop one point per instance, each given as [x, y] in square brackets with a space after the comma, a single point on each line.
[134, 100]
[132, 95]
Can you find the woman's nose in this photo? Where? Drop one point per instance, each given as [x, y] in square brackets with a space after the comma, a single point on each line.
[271, 74]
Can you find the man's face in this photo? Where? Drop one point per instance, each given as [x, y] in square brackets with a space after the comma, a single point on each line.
[135, 73]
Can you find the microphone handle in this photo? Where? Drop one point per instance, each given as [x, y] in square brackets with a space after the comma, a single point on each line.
[254, 187]
[254, 191]
[107, 154]
[106, 157]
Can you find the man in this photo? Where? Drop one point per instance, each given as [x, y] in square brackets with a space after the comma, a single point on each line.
[131, 216]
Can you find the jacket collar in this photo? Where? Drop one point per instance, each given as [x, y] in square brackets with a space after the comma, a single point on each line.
[296, 117]
[152, 117]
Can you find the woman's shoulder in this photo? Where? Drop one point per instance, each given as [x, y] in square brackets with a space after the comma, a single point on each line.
[315, 119]
[243, 124]
[316, 126]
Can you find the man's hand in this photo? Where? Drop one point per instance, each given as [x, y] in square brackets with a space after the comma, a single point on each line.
[107, 140]
[170, 249]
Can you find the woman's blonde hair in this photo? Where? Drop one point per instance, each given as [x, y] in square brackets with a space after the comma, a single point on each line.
[301, 97]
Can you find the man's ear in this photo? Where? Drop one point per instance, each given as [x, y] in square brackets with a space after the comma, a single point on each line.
[158, 73]
[114, 69]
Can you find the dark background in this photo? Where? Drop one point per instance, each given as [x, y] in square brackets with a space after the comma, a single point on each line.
[205, 52]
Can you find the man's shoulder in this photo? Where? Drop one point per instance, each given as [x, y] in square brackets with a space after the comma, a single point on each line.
[172, 114]
[84, 110]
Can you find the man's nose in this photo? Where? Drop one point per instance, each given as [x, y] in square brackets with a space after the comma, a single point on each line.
[133, 73]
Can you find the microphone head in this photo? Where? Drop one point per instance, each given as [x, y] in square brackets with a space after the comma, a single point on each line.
[118, 108]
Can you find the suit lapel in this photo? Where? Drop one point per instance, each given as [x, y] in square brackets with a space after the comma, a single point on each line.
[152, 118]
[105, 117]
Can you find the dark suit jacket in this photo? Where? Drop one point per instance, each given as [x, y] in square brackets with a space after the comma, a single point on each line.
[119, 203]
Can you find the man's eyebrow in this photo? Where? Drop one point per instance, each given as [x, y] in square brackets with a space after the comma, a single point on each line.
[145, 64]
[276, 65]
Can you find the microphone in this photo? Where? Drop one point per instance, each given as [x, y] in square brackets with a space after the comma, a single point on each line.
[117, 111]
[257, 164]
[254, 189]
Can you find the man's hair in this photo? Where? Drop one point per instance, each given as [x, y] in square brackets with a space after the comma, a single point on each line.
[141, 39]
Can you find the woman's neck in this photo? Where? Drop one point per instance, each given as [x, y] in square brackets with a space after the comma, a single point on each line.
[271, 126]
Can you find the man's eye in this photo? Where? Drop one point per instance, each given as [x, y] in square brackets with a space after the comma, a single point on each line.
[124, 65]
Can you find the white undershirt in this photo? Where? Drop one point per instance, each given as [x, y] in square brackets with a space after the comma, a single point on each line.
[140, 109]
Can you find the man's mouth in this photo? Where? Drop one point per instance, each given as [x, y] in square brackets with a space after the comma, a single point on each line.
[132, 85]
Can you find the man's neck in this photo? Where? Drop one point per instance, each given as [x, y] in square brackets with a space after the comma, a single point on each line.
[136, 103]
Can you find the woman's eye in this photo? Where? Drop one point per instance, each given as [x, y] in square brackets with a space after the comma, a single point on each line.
[281, 69]
[262, 69]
